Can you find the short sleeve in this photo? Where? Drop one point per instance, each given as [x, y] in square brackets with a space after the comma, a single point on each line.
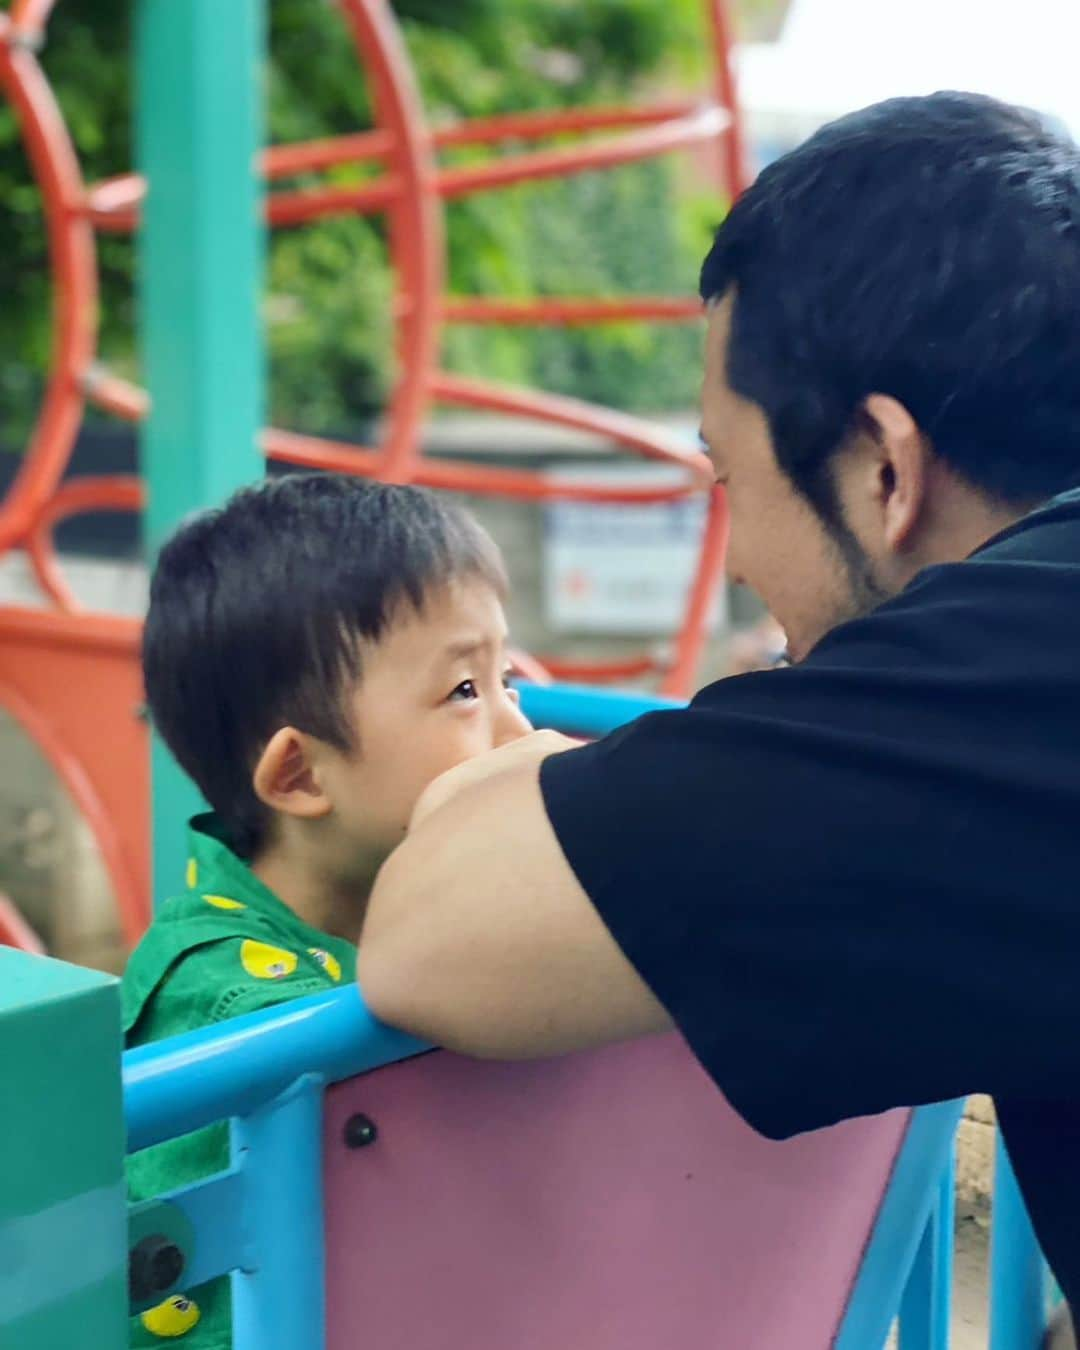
[819, 872]
[226, 978]
[208, 984]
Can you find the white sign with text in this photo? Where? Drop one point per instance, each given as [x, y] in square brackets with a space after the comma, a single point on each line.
[622, 570]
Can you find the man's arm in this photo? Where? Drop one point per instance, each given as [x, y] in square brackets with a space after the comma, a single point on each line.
[479, 938]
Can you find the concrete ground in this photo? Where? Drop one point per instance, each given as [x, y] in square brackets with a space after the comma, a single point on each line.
[970, 1287]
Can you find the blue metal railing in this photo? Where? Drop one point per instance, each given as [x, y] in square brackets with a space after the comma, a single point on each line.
[1018, 1274]
[232, 1069]
[267, 1072]
[586, 711]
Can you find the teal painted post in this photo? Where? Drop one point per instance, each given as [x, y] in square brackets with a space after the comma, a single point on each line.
[199, 120]
[63, 1205]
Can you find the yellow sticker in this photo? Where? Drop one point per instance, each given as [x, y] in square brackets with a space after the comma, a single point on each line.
[175, 1317]
[192, 874]
[223, 902]
[329, 963]
[265, 962]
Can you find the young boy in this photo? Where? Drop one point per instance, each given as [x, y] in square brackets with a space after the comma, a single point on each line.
[315, 653]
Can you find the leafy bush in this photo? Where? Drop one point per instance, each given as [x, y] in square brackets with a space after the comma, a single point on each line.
[636, 229]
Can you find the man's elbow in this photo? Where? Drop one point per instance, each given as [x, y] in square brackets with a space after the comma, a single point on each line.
[388, 958]
[399, 989]
[383, 985]
[405, 976]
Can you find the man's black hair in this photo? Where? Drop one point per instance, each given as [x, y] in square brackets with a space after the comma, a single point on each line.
[257, 610]
[926, 248]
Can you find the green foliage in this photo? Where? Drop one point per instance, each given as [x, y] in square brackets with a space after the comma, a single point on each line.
[637, 229]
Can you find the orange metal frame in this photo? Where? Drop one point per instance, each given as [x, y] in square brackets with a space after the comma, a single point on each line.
[70, 677]
[15, 931]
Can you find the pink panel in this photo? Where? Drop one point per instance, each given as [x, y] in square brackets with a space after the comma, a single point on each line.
[610, 1201]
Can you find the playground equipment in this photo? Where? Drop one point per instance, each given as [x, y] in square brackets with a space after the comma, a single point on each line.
[62, 1223]
[71, 678]
[611, 1200]
[411, 191]
[101, 759]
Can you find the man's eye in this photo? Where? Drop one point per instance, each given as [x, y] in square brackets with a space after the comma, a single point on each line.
[465, 690]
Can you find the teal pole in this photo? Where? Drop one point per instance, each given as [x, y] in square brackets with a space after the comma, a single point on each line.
[199, 132]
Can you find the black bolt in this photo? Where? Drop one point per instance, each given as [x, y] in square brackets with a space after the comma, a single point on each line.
[360, 1130]
[155, 1264]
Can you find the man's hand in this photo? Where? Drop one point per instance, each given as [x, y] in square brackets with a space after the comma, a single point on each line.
[529, 750]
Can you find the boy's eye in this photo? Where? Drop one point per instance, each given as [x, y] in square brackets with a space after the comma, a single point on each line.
[465, 690]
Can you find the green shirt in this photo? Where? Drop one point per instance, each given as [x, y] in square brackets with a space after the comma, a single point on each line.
[226, 946]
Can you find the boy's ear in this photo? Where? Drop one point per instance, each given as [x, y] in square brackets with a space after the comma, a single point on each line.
[285, 779]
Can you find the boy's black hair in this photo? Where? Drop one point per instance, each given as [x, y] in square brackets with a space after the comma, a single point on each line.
[257, 609]
[927, 248]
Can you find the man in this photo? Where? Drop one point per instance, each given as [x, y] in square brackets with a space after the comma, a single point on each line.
[852, 884]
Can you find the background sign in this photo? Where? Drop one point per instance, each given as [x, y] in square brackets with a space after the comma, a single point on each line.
[622, 570]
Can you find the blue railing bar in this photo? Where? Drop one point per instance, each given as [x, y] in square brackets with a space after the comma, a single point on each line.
[279, 1298]
[894, 1243]
[181, 1084]
[223, 1239]
[926, 1307]
[1017, 1273]
[589, 712]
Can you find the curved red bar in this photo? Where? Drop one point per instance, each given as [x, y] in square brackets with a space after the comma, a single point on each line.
[645, 438]
[78, 496]
[417, 244]
[317, 452]
[601, 672]
[29, 17]
[704, 125]
[15, 931]
[569, 311]
[53, 667]
[71, 250]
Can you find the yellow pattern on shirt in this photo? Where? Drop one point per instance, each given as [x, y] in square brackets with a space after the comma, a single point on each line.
[263, 962]
[223, 902]
[175, 1317]
[329, 963]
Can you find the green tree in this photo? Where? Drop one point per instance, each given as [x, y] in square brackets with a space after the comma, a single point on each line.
[327, 308]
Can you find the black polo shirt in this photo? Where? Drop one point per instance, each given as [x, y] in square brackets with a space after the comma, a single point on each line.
[855, 883]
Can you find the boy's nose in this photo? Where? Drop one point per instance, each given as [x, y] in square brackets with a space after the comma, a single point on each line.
[511, 723]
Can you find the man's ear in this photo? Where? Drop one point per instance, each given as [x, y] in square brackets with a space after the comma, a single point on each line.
[286, 779]
[901, 461]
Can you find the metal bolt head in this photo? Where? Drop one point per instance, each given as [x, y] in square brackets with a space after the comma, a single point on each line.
[155, 1264]
[360, 1131]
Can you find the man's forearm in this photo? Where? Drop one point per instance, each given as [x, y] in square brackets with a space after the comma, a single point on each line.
[479, 937]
